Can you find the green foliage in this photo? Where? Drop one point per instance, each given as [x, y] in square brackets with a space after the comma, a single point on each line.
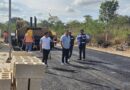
[44, 23]
[116, 26]
[108, 10]
[121, 20]
[58, 27]
[3, 27]
[14, 22]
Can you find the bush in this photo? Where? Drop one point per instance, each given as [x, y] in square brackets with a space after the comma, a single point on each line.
[106, 44]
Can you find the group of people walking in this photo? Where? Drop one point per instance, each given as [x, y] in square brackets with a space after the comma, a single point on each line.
[67, 43]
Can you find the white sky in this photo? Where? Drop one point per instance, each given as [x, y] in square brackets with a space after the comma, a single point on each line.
[66, 10]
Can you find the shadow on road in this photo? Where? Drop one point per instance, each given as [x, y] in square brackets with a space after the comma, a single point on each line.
[91, 62]
[64, 70]
[83, 81]
[84, 67]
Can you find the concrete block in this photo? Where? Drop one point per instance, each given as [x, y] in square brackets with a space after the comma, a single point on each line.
[28, 71]
[5, 84]
[36, 84]
[3, 57]
[28, 67]
[6, 67]
[26, 59]
[5, 80]
[21, 84]
[21, 53]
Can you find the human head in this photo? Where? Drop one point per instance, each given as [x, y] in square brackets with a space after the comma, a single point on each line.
[46, 34]
[82, 31]
[29, 32]
[66, 32]
[70, 33]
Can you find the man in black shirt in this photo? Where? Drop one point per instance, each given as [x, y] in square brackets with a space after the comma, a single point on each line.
[71, 44]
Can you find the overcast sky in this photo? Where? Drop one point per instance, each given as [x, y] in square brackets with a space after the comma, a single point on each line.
[66, 10]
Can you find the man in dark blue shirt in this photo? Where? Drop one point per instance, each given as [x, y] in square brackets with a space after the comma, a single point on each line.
[82, 40]
[71, 44]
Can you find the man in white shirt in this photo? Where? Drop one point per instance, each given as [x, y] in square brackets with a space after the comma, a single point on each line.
[65, 44]
[45, 46]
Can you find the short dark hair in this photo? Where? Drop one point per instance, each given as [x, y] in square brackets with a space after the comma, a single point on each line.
[82, 30]
[45, 33]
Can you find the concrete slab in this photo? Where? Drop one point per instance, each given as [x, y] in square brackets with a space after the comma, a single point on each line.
[36, 84]
[5, 77]
[21, 84]
[28, 67]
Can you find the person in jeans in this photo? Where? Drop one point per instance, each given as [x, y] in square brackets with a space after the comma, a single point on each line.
[71, 44]
[28, 40]
[65, 44]
[45, 46]
[82, 41]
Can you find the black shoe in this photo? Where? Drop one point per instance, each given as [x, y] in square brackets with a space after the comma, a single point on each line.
[42, 60]
[84, 59]
[67, 63]
[79, 59]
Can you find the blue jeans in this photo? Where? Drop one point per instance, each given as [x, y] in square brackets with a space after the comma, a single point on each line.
[28, 47]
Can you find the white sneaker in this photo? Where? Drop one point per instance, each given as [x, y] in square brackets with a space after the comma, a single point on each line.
[43, 63]
[68, 60]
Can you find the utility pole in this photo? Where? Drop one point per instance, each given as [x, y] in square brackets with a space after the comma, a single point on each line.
[9, 31]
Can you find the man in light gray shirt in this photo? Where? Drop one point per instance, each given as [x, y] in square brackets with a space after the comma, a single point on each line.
[65, 44]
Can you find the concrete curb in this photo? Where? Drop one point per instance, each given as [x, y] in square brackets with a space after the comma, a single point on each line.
[121, 53]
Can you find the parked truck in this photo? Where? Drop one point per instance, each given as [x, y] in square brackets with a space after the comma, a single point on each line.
[22, 27]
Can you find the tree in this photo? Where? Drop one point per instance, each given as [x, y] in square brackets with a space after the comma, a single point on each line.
[53, 19]
[21, 24]
[44, 23]
[121, 20]
[108, 13]
[88, 18]
[108, 10]
[92, 26]
[74, 26]
[14, 19]
[58, 27]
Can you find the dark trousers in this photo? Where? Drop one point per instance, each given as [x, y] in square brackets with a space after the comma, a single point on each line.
[45, 55]
[82, 51]
[70, 51]
[65, 55]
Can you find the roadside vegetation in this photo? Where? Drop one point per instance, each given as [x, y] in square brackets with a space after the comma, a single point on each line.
[109, 29]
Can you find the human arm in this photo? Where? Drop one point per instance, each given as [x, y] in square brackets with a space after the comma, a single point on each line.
[61, 41]
[87, 38]
[40, 43]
